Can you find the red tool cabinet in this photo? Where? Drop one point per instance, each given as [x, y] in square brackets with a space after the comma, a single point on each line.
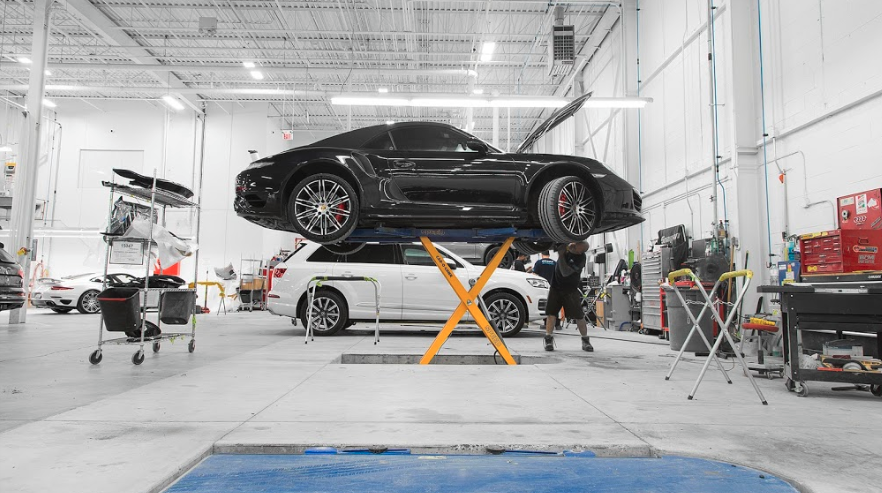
[841, 251]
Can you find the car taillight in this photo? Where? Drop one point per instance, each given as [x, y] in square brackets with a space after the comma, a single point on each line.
[273, 296]
[60, 288]
[21, 273]
[279, 272]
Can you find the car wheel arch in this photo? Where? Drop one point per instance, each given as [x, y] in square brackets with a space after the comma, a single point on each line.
[302, 301]
[560, 170]
[304, 169]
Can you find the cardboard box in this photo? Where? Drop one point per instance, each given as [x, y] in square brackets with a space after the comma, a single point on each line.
[861, 210]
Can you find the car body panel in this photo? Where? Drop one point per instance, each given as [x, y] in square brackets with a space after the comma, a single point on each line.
[421, 293]
[428, 188]
[43, 296]
[12, 294]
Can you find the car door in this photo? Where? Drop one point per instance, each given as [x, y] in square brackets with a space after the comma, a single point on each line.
[427, 295]
[434, 165]
[381, 262]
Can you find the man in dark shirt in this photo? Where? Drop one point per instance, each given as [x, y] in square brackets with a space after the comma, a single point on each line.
[544, 267]
[564, 293]
[520, 263]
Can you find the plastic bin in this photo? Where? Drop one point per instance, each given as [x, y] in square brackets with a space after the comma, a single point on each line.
[177, 307]
[679, 323]
[121, 309]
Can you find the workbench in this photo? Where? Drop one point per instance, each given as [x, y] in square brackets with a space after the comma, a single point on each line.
[841, 307]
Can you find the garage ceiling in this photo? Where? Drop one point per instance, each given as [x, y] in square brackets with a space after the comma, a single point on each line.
[307, 51]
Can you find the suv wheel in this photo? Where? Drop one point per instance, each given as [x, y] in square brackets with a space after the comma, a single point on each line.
[330, 313]
[507, 312]
[506, 261]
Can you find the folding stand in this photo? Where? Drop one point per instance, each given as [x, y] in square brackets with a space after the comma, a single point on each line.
[724, 326]
[468, 302]
[317, 281]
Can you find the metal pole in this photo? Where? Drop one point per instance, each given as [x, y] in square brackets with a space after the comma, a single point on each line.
[495, 126]
[24, 200]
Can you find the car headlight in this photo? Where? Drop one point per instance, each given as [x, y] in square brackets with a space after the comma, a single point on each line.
[538, 282]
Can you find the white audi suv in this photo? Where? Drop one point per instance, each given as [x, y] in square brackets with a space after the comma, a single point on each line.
[411, 288]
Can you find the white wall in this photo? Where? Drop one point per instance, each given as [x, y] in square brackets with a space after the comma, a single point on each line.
[819, 57]
[170, 144]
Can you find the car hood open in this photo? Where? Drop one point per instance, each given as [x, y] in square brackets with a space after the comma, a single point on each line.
[554, 120]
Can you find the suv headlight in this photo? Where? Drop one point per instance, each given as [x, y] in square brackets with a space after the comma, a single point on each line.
[538, 282]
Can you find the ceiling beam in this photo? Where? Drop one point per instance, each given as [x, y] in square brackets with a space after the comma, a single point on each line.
[95, 20]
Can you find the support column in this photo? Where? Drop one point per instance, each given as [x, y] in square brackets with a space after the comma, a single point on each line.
[24, 200]
[630, 66]
[495, 126]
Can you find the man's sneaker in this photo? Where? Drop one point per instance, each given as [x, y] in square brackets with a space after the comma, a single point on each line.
[549, 343]
[586, 344]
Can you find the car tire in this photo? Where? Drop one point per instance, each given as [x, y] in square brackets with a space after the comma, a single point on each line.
[88, 302]
[61, 310]
[310, 207]
[333, 313]
[506, 261]
[344, 248]
[507, 312]
[568, 209]
[532, 247]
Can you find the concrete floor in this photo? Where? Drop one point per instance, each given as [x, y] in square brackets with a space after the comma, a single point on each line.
[253, 386]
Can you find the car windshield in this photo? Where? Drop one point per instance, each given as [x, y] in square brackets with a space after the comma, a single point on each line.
[432, 138]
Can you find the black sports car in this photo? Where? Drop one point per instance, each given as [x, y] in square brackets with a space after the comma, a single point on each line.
[431, 175]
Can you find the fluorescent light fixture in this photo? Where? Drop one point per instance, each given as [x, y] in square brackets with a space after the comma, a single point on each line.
[383, 90]
[442, 101]
[173, 102]
[368, 101]
[5, 149]
[248, 64]
[616, 102]
[25, 60]
[49, 104]
[528, 103]
[47, 72]
[390, 122]
[477, 92]
[487, 51]
[257, 74]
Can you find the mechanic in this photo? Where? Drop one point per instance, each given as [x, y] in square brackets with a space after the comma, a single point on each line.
[564, 293]
[520, 263]
[544, 267]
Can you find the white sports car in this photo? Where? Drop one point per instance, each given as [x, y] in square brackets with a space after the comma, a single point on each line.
[80, 292]
[412, 288]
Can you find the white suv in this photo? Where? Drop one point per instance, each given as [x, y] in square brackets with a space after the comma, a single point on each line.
[412, 288]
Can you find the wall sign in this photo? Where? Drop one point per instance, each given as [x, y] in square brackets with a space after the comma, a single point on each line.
[127, 252]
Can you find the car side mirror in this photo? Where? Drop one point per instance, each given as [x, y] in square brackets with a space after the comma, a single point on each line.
[450, 263]
[477, 145]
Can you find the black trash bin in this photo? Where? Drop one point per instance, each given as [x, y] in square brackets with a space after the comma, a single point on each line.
[121, 309]
[679, 323]
[177, 307]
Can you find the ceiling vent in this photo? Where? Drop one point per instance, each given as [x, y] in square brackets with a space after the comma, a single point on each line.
[561, 50]
[208, 25]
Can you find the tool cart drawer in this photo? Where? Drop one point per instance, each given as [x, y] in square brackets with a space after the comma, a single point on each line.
[841, 251]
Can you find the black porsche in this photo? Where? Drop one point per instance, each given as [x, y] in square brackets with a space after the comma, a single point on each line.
[432, 175]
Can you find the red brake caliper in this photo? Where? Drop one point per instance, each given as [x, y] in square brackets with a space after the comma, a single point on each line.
[561, 209]
[339, 217]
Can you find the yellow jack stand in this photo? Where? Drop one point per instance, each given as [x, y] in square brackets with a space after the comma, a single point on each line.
[468, 302]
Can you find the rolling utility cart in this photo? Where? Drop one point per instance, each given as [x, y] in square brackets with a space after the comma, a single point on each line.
[125, 309]
[252, 285]
[838, 307]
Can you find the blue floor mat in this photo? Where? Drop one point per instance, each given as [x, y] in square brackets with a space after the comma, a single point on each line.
[470, 473]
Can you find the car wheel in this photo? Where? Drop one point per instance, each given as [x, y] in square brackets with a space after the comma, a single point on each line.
[88, 302]
[532, 247]
[61, 310]
[323, 208]
[506, 260]
[329, 313]
[568, 209]
[507, 312]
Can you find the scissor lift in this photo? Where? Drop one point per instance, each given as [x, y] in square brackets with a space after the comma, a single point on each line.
[469, 300]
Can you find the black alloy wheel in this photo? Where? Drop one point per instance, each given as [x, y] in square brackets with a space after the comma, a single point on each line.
[568, 210]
